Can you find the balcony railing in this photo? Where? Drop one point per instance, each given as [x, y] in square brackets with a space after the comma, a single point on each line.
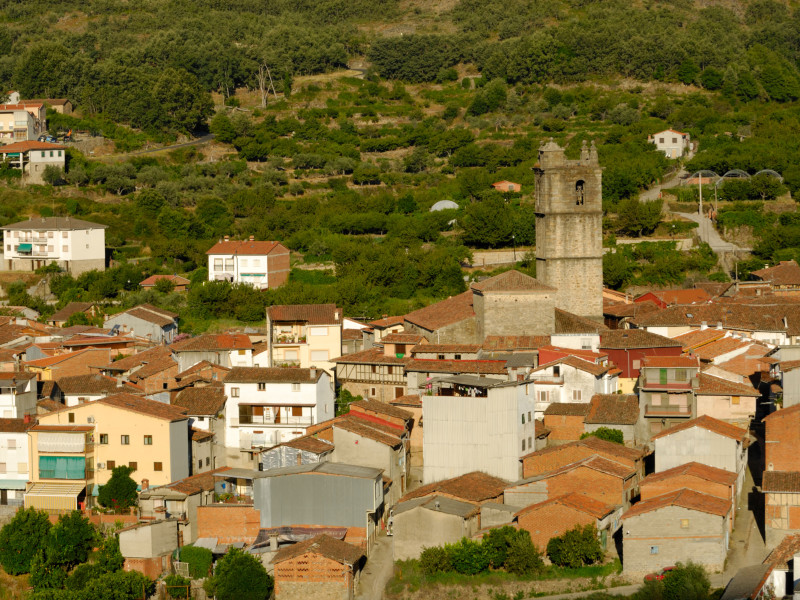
[258, 421]
[668, 409]
[287, 339]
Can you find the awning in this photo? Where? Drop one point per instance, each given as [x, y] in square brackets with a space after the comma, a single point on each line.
[24, 247]
[11, 484]
[54, 496]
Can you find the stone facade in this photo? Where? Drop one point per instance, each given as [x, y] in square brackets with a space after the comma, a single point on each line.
[313, 576]
[504, 313]
[569, 214]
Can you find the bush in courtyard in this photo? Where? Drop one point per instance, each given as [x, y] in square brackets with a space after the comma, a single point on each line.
[199, 560]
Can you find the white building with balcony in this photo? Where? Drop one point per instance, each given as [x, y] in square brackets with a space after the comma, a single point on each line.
[269, 406]
[264, 265]
[14, 466]
[571, 379]
[74, 245]
[304, 335]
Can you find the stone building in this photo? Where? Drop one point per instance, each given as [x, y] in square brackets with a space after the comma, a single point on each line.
[569, 213]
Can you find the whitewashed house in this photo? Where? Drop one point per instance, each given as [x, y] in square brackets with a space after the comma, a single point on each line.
[14, 465]
[268, 406]
[477, 424]
[673, 144]
[264, 265]
[17, 394]
[74, 245]
[571, 379]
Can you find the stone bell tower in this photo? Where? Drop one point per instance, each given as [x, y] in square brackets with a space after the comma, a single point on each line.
[569, 228]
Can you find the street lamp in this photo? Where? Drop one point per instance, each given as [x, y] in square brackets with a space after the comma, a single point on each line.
[514, 242]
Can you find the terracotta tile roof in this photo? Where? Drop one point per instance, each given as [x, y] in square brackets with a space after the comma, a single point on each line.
[369, 357]
[11, 332]
[472, 487]
[144, 406]
[618, 409]
[403, 338]
[214, 342]
[202, 482]
[69, 428]
[352, 334]
[668, 362]
[569, 323]
[590, 355]
[597, 445]
[635, 338]
[511, 281]
[577, 363]
[382, 408]
[424, 365]
[16, 425]
[200, 435]
[630, 310]
[29, 145]
[49, 361]
[716, 386]
[579, 502]
[732, 316]
[49, 405]
[442, 504]
[69, 310]
[134, 360]
[246, 247]
[407, 400]
[272, 375]
[50, 101]
[781, 481]
[313, 314]
[87, 384]
[712, 350]
[387, 322]
[446, 348]
[690, 296]
[540, 431]
[373, 431]
[49, 223]
[203, 365]
[73, 330]
[153, 368]
[309, 443]
[153, 279]
[21, 375]
[684, 498]
[568, 409]
[149, 316]
[708, 423]
[694, 469]
[160, 311]
[787, 272]
[699, 337]
[207, 401]
[453, 310]
[324, 545]
[594, 462]
[791, 412]
[515, 342]
[784, 552]
[789, 365]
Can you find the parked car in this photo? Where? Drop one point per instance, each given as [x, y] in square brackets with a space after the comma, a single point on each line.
[658, 575]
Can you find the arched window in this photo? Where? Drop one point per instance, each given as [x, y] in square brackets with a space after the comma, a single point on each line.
[579, 195]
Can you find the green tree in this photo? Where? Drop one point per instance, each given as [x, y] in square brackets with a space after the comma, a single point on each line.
[468, 557]
[120, 491]
[46, 573]
[21, 539]
[687, 582]
[177, 586]
[435, 559]
[688, 71]
[522, 557]
[577, 547]
[183, 101]
[53, 175]
[70, 541]
[164, 286]
[344, 400]
[198, 559]
[487, 224]
[606, 433]
[638, 218]
[239, 576]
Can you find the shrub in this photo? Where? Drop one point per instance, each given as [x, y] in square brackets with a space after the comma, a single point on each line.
[468, 557]
[177, 586]
[522, 557]
[21, 539]
[239, 576]
[199, 560]
[607, 434]
[120, 491]
[435, 560]
[577, 547]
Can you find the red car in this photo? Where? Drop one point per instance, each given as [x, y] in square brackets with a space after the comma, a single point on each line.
[658, 575]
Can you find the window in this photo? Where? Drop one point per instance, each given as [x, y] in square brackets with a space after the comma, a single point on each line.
[543, 396]
[295, 387]
[660, 140]
[390, 370]
[110, 464]
[51, 154]
[43, 153]
[523, 418]
[244, 262]
[71, 417]
[50, 248]
[59, 154]
[50, 234]
[125, 440]
[208, 461]
[456, 357]
[680, 374]
[735, 399]
[317, 331]
[674, 140]
[148, 440]
[64, 234]
[234, 392]
[12, 444]
[557, 370]
[229, 264]
[65, 248]
[374, 368]
[199, 464]
[62, 467]
[262, 387]
[133, 465]
[653, 549]
[684, 523]
[523, 445]
[529, 442]
[297, 411]
[104, 438]
[440, 356]
[319, 355]
[290, 355]
[157, 466]
[218, 264]
[576, 395]
[242, 352]
[586, 343]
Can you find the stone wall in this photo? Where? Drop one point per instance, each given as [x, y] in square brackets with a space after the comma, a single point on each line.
[73, 267]
[514, 314]
[312, 576]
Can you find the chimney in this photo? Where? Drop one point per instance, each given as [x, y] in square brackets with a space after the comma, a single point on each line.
[145, 484]
[719, 325]
[252, 238]
[313, 373]
[273, 543]
[26, 419]
[336, 315]
[436, 504]
[227, 238]
[703, 325]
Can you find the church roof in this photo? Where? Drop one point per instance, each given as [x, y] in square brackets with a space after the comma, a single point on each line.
[511, 281]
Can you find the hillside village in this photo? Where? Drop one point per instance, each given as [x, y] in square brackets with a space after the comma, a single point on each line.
[322, 440]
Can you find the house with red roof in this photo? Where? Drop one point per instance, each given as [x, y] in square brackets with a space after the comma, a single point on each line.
[666, 390]
[32, 158]
[179, 284]
[304, 335]
[665, 298]
[672, 143]
[264, 265]
[224, 349]
[571, 379]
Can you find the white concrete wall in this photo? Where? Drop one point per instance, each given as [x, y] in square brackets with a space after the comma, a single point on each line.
[14, 455]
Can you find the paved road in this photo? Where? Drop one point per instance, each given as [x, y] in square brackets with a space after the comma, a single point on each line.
[198, 141]
[378, 570]
[708, 233]
[653, 193]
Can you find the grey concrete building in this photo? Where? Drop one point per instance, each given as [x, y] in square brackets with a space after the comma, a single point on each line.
[146, 321]
[420, 523]
[569, 213]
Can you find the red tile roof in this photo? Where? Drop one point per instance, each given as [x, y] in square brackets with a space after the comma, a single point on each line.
[690, 296]
[69, 310]
[668, 362]
[708, 423]
[313, 314]
[424, 365]
[16, 425]
[272, 375]
[635, 338]
[453, 310]
[382, 408]
[787, 272]
[143, 406]
[446, 348]
[789, 365]
[148, 315]
[716, 386]
[213, 342]
[472, 487]
[308, 443]
[49, 361]
[247, 247]
[791, 412]
[153, 279]
[134, 360]
[407, 400]
[781, 481]
[29, 145]
[207, 401]
[200, 435]
[597, 445]
[196, 483]
[374, 431]
[568, 409]
[387, 322]
[511, 281]
[324, 545]
[731, 315]
[577, 363]
[402, 338]
[630, 310]
[684, 498]
[699, 337]
[87, 384]
[579, 502]
[694, 469]
[617, 409]
[566, 322]
[153, 368]
[784, 552]
[371, 356]
[712, 350]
